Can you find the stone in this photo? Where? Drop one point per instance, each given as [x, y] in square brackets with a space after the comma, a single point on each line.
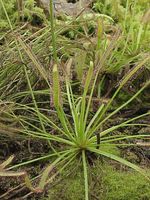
[62, 6]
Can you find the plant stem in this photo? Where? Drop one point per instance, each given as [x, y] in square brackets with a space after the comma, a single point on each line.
[53, 31]
[85, 175]
[20, 9]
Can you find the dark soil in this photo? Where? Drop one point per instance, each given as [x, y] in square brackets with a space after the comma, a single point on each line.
[13, 188]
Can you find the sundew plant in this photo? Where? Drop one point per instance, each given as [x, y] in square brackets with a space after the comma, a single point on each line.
[78, 133]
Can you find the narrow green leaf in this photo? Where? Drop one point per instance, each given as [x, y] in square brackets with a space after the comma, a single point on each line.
[83, 100]
[93, 120]
[121, 160]
[56, 87]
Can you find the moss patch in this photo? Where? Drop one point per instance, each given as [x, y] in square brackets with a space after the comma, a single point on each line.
[106, 183]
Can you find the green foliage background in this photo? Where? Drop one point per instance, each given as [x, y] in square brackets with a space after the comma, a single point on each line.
[30, 9]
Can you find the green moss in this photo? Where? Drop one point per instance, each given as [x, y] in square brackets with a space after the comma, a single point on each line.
[69, 189]
[123, 185]
[106, 183]
[29, 11]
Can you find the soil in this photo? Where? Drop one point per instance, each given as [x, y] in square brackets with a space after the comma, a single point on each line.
[13, 188]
